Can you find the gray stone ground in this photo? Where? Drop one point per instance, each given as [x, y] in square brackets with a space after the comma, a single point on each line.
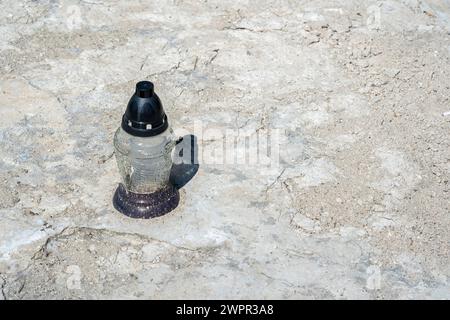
[357, 208]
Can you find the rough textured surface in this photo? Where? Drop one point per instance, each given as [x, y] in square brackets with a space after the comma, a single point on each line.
[358, 207]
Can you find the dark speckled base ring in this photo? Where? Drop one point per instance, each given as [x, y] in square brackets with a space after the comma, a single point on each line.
[146, 206]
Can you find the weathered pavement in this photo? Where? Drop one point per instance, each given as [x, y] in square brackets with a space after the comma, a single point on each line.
[357, 208]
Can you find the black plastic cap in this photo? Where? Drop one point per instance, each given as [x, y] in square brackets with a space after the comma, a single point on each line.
[145, 115]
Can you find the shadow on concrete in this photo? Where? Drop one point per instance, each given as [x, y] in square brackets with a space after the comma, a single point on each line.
[185, 161]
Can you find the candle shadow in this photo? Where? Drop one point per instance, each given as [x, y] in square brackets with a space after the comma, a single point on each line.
[185, 161]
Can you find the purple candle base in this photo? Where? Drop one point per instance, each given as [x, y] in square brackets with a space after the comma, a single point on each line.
[146, 206]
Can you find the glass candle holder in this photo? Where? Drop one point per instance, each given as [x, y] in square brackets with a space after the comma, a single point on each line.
[143, 148]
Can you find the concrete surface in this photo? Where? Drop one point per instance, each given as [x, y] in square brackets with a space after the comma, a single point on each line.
[357, 207]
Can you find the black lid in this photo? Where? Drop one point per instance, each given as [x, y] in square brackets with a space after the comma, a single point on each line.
[145, 115]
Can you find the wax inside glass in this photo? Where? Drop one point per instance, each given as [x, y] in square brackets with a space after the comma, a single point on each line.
[144, 162]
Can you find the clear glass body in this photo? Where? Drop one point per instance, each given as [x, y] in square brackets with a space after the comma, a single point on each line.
[144, 162]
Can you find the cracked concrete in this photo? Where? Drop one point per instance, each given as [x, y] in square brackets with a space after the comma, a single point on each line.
[357, 208]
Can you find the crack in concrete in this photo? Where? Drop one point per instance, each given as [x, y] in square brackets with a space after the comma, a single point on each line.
[276, 180]
[54, 95]
[238, 28]
[144, 62]
[70, 231]
[216, 52]
[172, 69]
